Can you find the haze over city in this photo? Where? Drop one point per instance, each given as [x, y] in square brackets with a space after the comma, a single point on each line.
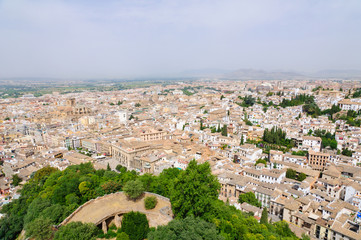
[115, 39]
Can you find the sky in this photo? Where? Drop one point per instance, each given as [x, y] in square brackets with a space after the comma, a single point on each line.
[134, 38]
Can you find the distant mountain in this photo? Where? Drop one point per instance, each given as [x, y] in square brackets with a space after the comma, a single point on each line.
[351, 73]
[262, 75]
[208, 72]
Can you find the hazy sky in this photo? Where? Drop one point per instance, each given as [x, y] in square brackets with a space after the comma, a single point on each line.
[106, 38]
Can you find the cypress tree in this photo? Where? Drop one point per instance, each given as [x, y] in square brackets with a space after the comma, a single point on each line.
[264, 217]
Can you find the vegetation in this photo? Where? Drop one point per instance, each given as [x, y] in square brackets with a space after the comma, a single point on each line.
[150, 202]
[122, 236]
[298, 100]
[135, 225]
[40, 229]
[188, 228]
[292, 174]
[249, 198]
[261, 161]
[224, 131]
[346, 152]
[357, 93]
[134, 189]
[16, 180]
[300, 153]
[247, 101]
[275, 136]
[328, 139]
[351, 118]
[77, 230]
[201, 188]
[51, 195]
[312, 109]
[264, 217]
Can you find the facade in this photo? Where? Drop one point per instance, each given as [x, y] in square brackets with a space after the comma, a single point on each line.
[318, 160]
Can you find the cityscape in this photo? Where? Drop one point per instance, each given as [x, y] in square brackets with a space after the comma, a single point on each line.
[180, 120]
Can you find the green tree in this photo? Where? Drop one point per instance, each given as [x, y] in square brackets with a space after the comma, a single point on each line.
[261, 161]
[135, 225]
[290, 173]
[194, 190]
[249, 198]
[264, 217]
[108, 167]
[137, 105]
[150, 202]
[188, 228]
[242, 140]
[134, 189]
[224, 131]
[110, 186]
[77, 230]
[40, 229]
[346, 152]
[301, 177]
[16, 180]
[122, 236]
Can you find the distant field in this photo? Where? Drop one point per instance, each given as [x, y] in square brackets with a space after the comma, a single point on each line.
[15, 89]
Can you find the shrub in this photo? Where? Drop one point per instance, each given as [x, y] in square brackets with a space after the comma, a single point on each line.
[134, 189]
[150, 202]
[122, 236]
[135, 225]
[77, 230]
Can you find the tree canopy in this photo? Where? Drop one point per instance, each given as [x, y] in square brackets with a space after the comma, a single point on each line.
[135, 225]
[194, 190]
[189, 228]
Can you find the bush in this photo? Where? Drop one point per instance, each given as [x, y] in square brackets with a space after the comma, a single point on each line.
[135, 225]
[150, 202]
[134, 189]
[122, 236]
[77, 230]
[188, 228]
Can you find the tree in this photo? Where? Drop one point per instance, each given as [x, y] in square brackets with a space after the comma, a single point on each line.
[219, 128]
[224, 131]
[290, 173]
[188, 228]
[137, 105]
[264, 217]
[40, 229]
[261, 161]
[194, 190]
[16, 180]
[222, 97]
[122, 236]
[120, 168]
[150, 202]
[301, 177]
[77, 230]
[242, 140]
[249, 198]
[346, 152]
[108, 167]
[134, 189]
[110, 186]
[135, 225]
